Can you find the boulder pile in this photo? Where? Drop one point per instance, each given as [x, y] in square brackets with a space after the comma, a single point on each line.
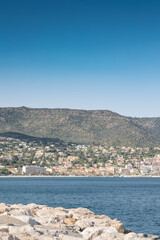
[39, 222]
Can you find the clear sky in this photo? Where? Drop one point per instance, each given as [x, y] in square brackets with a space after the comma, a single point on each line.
[81, 54]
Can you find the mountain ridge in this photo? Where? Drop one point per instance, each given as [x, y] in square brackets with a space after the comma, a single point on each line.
[81, 126]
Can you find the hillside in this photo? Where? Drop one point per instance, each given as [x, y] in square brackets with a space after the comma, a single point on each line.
[79, 126]
[151, 125]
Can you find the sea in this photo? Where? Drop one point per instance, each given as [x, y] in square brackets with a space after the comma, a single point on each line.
[134, 201]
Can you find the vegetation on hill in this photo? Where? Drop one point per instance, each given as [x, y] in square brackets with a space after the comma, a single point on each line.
[151, 125]
[80, 126]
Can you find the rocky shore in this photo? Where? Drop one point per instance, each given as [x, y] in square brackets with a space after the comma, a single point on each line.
[38, 222]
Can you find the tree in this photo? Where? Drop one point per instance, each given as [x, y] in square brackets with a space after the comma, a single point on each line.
[4, 171]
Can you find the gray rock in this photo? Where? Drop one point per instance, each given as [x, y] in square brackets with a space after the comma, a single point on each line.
[6, 220]
[3, 228]
[66, 237]
[93, 232]
[108, 236]
[56, 232]
[27, 220]
[10, 237]
[140, 236]
[25, 229]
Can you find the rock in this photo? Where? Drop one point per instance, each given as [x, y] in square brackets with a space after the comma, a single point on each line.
[81, 213]
[69, 221]
[27, 220]
[25, 229]
[10, 237]
[6, 220]
[34, 208]
[52, 212]
[118, 225]
[65, 237]
[56, 232]
[19, 209]
[3, 208]
[72, 228]
[47, 238]
[140, 236]
[95, 221]
[25, 236]
[3, 228]
[5, 214]
[37, 222]
[108, 236]
[19, 212]
[44, 220]
[50, 231]
[33, 205]
[84, 223]
[92, 232]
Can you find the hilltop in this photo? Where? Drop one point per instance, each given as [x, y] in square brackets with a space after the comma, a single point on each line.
[80, 126]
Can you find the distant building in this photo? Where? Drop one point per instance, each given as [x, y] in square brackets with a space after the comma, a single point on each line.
[12, 170]
[144, 169]
[6, 157]
[50, 170]
[33, 170]
[128, 166]
[39, 153]
[1, 166]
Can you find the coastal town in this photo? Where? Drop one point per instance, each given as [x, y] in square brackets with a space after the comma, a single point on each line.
[28, 158]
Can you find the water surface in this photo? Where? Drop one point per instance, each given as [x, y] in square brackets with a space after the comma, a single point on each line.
[134, 201]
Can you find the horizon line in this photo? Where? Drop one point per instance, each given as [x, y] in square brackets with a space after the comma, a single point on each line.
[75, 109]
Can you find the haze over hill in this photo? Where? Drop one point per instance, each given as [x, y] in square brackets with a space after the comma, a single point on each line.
[80, 126]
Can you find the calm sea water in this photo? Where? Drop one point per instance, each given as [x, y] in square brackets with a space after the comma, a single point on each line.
[134, 201]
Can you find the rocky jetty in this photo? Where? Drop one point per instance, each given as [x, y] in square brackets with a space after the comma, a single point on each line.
[38, 222]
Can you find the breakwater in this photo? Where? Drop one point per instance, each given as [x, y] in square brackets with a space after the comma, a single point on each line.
[40, 222]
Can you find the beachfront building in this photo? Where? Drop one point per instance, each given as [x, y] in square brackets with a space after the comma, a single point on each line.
[30, 169]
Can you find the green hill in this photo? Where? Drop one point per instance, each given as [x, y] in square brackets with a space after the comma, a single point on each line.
[80, 126]
[151, 126]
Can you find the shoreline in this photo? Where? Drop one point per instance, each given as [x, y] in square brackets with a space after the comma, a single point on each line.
[62, 176]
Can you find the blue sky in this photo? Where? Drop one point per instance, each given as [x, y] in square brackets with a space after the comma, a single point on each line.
[83, 54]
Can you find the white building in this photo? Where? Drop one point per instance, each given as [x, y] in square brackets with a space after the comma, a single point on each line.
[33, 170]
[128, 166]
